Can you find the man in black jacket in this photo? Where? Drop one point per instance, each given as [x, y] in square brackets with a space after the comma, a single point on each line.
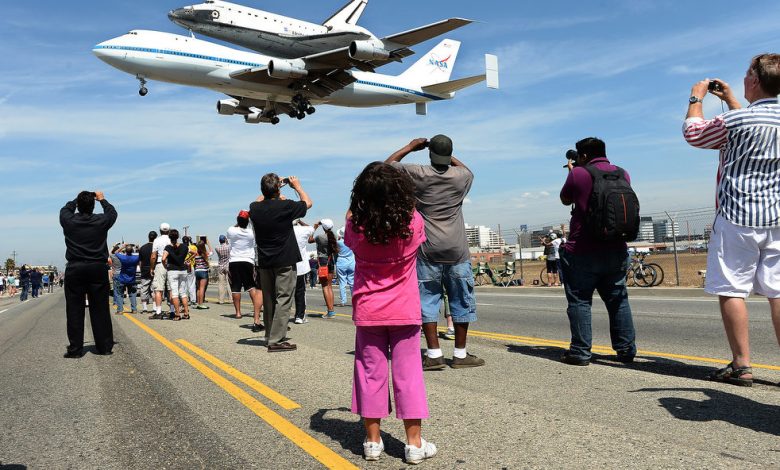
[85, 274]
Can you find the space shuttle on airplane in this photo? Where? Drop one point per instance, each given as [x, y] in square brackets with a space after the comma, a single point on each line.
[290, 38]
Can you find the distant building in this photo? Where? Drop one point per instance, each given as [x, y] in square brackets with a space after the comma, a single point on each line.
[646, 229]
[483, 237]
[662, 231]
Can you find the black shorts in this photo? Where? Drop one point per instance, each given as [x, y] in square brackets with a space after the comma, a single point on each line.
[552, 266]
[241, 274]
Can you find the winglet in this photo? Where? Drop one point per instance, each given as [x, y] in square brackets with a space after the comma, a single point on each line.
[349, 14]
[491, 71]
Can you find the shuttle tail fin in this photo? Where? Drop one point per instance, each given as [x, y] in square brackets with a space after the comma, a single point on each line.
[349, 14]
[435, 66]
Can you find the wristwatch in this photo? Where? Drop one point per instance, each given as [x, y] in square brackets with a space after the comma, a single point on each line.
[693, 100]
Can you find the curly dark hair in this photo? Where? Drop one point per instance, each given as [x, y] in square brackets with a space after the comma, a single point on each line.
[382, 203]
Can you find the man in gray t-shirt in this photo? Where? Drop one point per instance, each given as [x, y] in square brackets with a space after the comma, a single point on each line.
[443, 261]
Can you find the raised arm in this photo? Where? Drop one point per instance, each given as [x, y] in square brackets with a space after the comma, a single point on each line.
[413, 146]
[296, 185]
[67, 212]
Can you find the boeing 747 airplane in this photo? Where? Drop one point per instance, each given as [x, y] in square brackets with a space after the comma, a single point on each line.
[261, 87]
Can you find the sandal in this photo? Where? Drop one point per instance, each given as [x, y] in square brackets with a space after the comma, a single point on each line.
[176, 318]
[732, 375]
[185, 317]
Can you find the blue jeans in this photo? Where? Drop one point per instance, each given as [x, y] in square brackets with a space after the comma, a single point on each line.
[606, 273]
[119, 290]
[346, 274]
[458, 281]
[25, 291]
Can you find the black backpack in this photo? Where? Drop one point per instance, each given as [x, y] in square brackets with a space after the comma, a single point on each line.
[613, 208]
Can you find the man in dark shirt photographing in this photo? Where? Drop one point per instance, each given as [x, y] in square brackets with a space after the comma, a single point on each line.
[85, 273]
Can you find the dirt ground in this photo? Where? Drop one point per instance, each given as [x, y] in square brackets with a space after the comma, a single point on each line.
[689, 264]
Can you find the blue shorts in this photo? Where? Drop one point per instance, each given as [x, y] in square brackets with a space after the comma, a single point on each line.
[457, 279]
[201, 274]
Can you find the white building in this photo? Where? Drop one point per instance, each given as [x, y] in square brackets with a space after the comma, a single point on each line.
[483, 237]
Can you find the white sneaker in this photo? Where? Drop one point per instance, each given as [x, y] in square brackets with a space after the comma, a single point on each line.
[415, 455]
[298, 321]
[372, 450]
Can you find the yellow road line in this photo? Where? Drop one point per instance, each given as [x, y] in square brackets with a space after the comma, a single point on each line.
[532, 341]
[311, 446]
[256, 385]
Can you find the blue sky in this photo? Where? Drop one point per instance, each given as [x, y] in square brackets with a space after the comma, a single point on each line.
[618, 70]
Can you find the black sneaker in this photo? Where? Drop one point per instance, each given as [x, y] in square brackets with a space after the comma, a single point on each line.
[567, 358]
[624, 358]
[256, 327]
[73, 354]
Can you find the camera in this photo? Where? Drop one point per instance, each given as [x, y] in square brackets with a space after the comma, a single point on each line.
[285, 181]
[714, 86]
[571, 155]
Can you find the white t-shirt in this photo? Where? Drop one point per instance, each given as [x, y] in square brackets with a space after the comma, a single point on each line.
[159, 246]
[556, 244]
[242, 244]
[302, 234]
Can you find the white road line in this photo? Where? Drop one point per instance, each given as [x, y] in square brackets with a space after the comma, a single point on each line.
[3, 311]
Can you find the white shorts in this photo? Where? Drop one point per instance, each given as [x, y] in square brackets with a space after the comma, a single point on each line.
[742, 260]
[177, 280]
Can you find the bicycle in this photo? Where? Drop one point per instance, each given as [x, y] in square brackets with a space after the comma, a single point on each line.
[643, 274]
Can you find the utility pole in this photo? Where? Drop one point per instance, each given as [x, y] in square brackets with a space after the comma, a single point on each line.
[674, 244]
[14, 255]
[186, 228]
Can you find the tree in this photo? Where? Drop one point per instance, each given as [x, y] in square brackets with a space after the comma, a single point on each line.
[10, 265]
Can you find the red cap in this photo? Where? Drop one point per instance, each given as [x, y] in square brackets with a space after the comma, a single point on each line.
[243, 214]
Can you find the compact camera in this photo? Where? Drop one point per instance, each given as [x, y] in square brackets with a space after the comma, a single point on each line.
[285, 181]
[714, 86]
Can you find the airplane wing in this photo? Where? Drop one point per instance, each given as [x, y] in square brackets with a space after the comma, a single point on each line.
[399, 46]
[320, 83]
[423, 33]
[326, 72]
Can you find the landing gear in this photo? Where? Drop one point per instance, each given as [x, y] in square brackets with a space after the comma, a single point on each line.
[274, 120]
[301, 107]
[142, 91]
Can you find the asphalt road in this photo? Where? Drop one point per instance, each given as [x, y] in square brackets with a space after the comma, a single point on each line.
[204, 393]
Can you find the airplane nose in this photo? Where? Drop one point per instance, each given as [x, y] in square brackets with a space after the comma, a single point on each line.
[180, 13]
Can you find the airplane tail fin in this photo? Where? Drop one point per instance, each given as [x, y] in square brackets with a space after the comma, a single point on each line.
[435, 66]
[348, 14]
[490, 75]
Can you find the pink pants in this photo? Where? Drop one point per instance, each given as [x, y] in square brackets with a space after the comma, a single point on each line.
[370, 386]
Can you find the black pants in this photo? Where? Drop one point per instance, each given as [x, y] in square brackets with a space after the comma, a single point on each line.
[300, 297]
[90, 280]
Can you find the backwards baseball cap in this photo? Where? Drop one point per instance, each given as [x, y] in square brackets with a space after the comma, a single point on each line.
[222, 239]
[164, 227]
[327, 224]
[440, 148]
[243, 214]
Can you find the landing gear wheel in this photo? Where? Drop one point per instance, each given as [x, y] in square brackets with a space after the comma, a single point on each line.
[143, 91]
[293, 114]
[310, 110]
[274, 120]
[301, 116]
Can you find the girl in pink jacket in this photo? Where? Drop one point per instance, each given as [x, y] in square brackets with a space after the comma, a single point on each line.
[384, 231]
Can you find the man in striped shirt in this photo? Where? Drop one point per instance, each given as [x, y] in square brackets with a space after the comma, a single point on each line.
[744, 251]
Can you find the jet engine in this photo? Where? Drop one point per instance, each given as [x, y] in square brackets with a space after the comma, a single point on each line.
[287, 69]
[368, 50]
[256, 118]
[227, 107]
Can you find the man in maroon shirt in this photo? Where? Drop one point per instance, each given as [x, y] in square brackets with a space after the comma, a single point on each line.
[590, 264]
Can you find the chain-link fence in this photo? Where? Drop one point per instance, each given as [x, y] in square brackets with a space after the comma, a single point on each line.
[674, 240]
